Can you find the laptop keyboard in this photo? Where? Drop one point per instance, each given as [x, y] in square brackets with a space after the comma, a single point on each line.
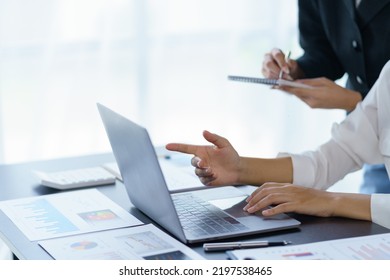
[202, 218]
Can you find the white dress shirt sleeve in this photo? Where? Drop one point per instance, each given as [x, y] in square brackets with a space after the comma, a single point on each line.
[363, 137]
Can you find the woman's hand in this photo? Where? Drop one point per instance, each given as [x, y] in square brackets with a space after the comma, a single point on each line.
[325, 94]
[286, 198]
[215, 165]
[275, 62]
[290, 198]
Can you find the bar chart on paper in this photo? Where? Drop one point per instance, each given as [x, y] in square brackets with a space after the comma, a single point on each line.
[376, 249]
[41, 215]
[66, 213]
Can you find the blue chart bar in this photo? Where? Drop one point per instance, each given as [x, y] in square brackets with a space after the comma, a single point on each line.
[47, 218]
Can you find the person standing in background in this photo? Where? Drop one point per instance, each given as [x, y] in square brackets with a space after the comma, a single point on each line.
[339, 37]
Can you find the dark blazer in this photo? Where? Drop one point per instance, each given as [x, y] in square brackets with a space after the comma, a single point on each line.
[337, 39]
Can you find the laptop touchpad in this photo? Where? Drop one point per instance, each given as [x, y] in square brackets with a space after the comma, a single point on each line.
[233, 206]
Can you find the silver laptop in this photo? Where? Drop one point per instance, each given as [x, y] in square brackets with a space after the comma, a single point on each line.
[193, 216]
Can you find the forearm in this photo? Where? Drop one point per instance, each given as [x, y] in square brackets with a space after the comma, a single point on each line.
[355, 206]
[349, 100]
[256, 171]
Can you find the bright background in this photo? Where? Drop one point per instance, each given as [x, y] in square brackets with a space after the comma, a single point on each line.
[162, 63]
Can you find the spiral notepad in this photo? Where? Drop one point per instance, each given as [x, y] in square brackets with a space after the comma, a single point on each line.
[272, 82]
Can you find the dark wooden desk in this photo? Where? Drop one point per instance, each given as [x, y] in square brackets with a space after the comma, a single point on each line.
[18, 181]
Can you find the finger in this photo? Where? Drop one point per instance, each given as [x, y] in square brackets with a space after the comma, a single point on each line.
[215, 139]
[183, 148]
[279, 209]
[195, 161]
[279, 58]
[277, 196]
[199, 163]
[270, 68]
[255, 192]
[207, 181]
[203, 172]
[264, 195]
[260, 195]
[258, 204]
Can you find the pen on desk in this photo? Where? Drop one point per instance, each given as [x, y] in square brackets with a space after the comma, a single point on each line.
[223, 246]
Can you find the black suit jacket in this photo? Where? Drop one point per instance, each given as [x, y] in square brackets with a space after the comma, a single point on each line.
[337, 39]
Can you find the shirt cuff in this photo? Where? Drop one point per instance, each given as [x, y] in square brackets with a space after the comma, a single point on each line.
[303, 169]
[380, 209]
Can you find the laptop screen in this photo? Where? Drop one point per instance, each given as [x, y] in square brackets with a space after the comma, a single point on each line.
[140, 169]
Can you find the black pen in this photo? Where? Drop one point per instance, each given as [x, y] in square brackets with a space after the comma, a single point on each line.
[223, 246]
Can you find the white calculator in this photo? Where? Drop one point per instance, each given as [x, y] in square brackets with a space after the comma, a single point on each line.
[76, 178]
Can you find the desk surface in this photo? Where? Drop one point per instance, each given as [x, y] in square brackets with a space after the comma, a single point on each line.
[17, 181]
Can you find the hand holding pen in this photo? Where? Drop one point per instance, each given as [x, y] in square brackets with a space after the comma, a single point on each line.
[285, 69]
[277, 65]
[328, 95]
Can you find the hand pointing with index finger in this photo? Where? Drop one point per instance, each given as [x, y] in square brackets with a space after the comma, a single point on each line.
[215, 165]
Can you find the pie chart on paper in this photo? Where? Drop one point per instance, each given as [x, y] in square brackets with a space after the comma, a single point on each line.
[83, 245]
